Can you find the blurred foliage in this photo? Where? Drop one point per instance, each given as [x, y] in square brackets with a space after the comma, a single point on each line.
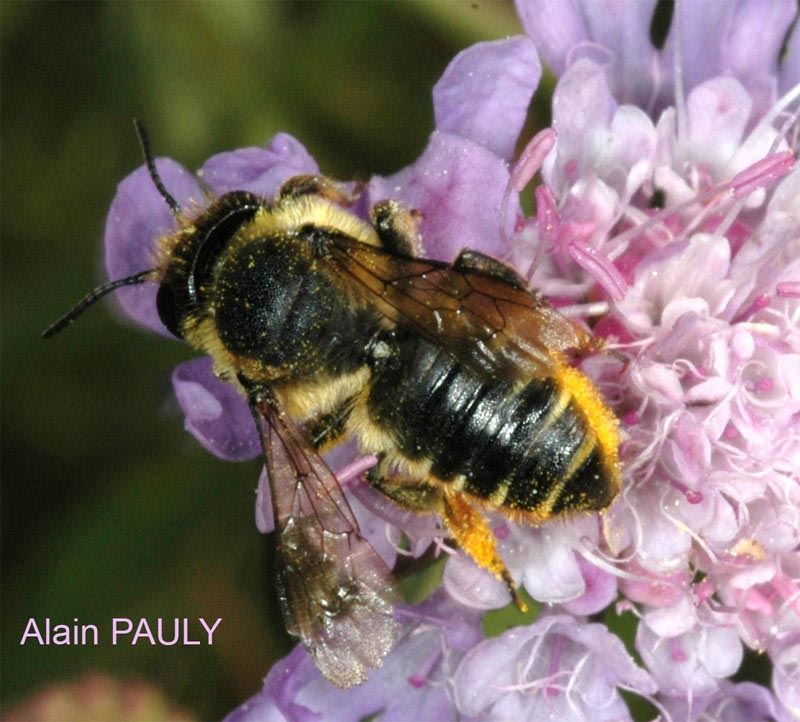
[109, 507]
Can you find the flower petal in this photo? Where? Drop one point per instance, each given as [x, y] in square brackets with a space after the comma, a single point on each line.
[790, 65]
[138, 217]
[258, 170]
[601, 589]
[557, 668]
[555, 26]
[561, 29]
[473, 586]
[486, 82]
[459, 187]
[216, 415]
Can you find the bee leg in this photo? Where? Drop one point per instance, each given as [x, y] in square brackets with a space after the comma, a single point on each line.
[469, 260]
[397, 227]
[303, 185]
[466, 525]
[411, 495]
[472, 533]
[326, 430]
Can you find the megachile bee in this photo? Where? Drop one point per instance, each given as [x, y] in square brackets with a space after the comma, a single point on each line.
[457, 376]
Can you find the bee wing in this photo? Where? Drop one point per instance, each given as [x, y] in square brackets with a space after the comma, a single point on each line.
[336, 593]
[492, 324]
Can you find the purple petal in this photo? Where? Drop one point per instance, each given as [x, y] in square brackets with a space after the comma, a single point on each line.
[458, 186]
[555, 26]
[753, 57]
[785, 673]
[484, 83]
[601, 589]
[744, 702]
[258, 170]
[276, 702]
[790, 65]
[717, 115]
[419, 529]
[216, 415]
[544, 559]
[559, 28]
[375, 530]
[138, 217]
[473, 586]
[718, 39]
[556, 668]
[411, 685]
[693, 661]
[583, 111]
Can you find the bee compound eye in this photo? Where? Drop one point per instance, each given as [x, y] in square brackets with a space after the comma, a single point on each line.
[167, 307]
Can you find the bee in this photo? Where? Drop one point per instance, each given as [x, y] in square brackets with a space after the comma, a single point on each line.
[456, 376]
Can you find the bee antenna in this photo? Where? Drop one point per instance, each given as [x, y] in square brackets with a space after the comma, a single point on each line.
[147, 151]
[92, 297]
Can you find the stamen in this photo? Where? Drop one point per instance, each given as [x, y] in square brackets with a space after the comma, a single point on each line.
[762, 173]
[528, 164]
[555, 662]
[355, 468]
[788, 289]
[760, 303]
[418, 679]
[532, 158]
[677, 69]
[599, 266]
[546, 223]
[769, 118]
[693, 497]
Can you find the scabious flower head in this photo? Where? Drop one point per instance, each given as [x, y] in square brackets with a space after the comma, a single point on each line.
[667, 217]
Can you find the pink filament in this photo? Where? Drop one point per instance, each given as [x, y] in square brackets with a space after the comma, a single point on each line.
[599, 266]
[762, 173]
[532, 158]
[788, 289]
[356, 468]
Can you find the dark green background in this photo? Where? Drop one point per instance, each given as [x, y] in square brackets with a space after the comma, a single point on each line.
[108, 507]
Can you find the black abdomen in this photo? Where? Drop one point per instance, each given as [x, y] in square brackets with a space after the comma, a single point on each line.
[525, 448]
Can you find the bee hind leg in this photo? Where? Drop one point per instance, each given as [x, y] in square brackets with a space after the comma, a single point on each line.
[466, 525]
[472, 533]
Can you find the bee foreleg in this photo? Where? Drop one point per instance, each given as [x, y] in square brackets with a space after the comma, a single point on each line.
[397, 227]
[472, 533]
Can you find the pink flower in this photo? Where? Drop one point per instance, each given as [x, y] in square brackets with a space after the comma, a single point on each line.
[678, 211]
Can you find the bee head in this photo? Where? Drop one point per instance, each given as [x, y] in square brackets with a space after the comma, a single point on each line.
[191, 256]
